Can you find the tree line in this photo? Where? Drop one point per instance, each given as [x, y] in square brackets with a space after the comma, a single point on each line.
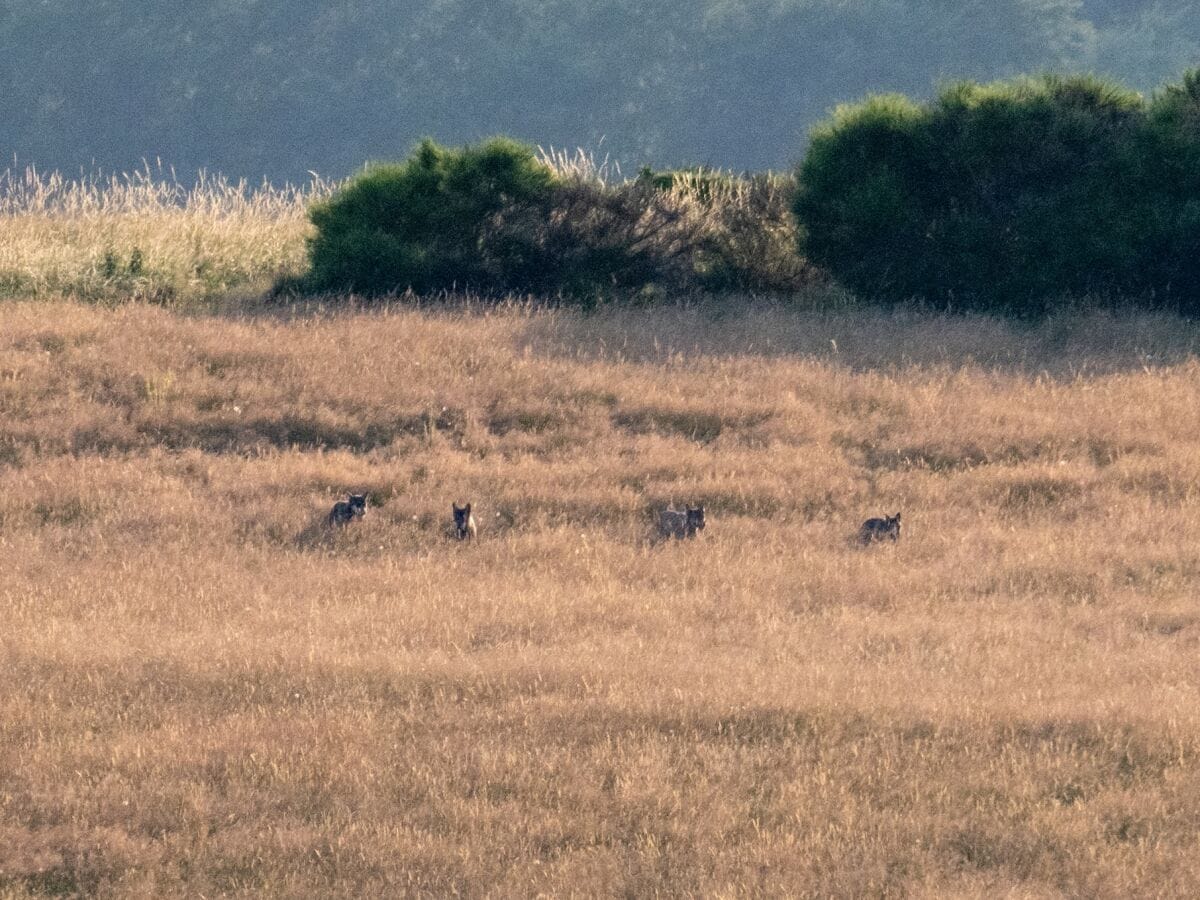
[270, 88]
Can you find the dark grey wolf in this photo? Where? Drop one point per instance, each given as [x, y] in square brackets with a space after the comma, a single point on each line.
[879, 529]
[464, 522]
[681, 523]
[346, 511]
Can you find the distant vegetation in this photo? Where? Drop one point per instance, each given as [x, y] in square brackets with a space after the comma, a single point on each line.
[589, 234]
[432, 222]
[284, 87]
[496, 219]
[1011, 196]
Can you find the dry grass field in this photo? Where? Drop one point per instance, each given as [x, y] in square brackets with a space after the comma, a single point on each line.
[204, 692]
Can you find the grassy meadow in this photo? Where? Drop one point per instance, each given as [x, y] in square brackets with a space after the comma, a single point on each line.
[203, 691]
[206, 692]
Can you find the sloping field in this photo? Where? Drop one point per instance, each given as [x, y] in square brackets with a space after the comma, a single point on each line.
[203, 691]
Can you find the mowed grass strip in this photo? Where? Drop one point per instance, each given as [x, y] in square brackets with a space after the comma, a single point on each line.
[205, 691]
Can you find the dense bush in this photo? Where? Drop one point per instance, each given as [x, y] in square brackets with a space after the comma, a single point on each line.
[424, 224]
[1171, 249]
[999, 196]
[1010, 196]
[495, 219]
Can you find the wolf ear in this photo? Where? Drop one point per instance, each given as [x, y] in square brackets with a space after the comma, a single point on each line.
[467, 509]
[896, 517]
[454, 506]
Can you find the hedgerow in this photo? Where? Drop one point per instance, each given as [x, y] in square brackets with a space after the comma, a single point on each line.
[1009, 196]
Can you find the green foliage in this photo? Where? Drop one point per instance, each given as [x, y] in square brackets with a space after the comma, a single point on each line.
[495, 220]
[1007, 196]
[429, 224]
[1171, 255]
[855, 190]
[492, 219]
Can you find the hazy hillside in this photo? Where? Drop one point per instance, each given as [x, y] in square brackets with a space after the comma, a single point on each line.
[279, 88]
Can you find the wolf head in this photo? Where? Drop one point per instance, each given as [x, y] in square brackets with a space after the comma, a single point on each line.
[893, 525]
[357, 504]
[695, 519]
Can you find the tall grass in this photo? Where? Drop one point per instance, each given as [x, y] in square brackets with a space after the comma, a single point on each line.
[145, 235]
[204, 692]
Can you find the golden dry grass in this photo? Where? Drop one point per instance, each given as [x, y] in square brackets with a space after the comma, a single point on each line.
[203, 692]
[148, 236]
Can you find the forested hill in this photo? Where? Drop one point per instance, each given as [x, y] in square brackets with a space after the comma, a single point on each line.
[279, 87]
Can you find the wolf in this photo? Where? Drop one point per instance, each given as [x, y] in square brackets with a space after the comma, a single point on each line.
[464, 522]
[878, 529]
[346, 511]
[681, 523]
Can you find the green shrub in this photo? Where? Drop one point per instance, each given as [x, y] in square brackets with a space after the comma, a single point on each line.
[424, 224]
[1001, 196]
[1171, 250]
[494, 219]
